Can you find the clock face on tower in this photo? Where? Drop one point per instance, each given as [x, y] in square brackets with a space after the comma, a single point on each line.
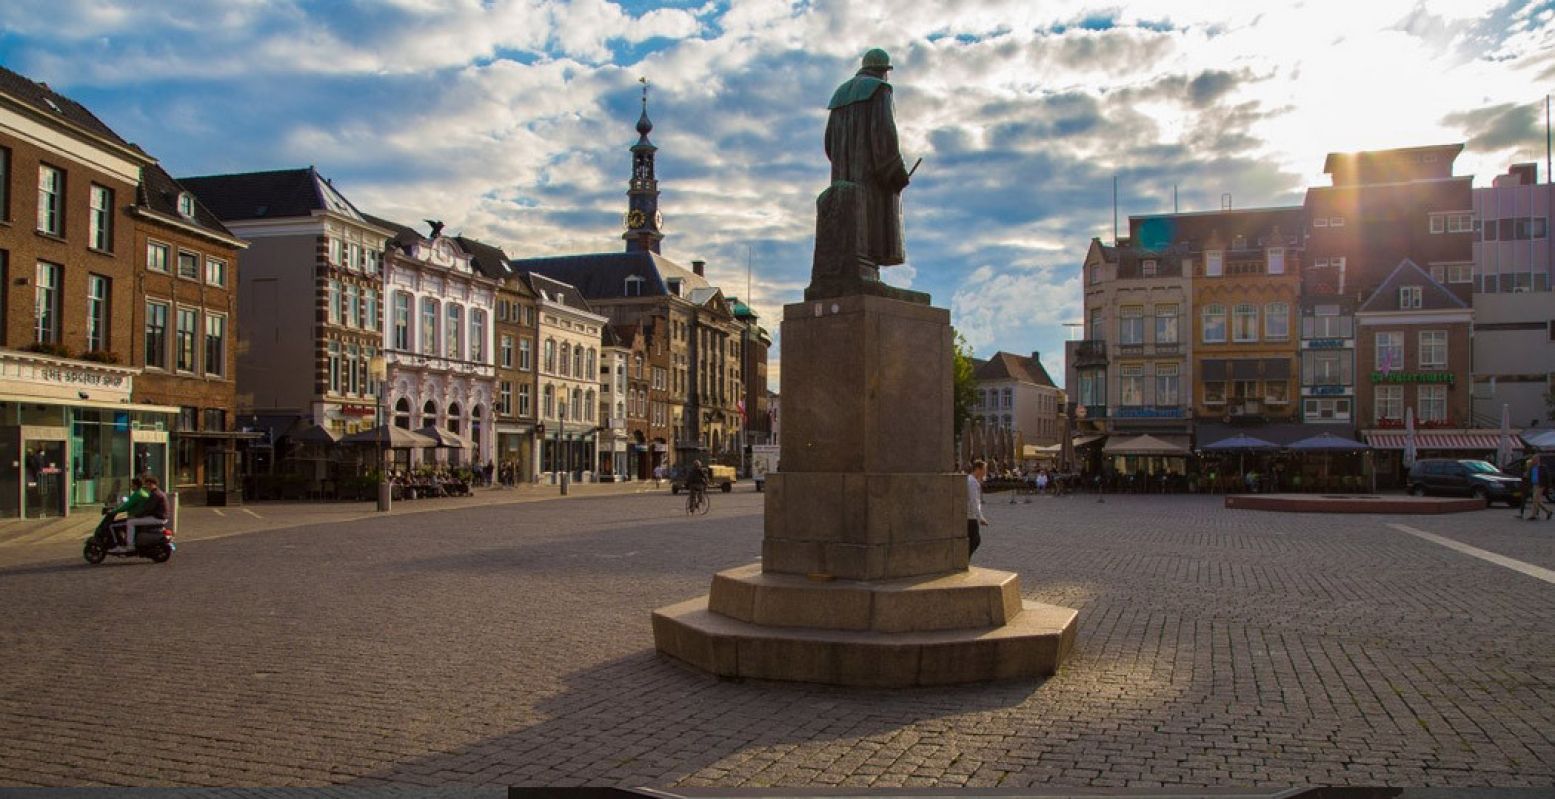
[634, 219]
[658, 221]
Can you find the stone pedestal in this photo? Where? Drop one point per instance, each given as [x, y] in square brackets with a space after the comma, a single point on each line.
[864, 577]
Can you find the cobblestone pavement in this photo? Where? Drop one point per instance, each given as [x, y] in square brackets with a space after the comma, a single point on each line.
[510, 645]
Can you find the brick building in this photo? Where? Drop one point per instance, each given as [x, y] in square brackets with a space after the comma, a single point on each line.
[185, 264]
[516, 326]
[71, 430]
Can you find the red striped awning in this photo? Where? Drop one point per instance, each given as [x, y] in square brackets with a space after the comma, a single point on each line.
[1472, 440]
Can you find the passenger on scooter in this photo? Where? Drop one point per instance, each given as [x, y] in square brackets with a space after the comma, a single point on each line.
[132, 506]
[153, 514]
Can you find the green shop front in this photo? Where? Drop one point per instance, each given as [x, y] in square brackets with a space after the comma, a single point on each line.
[70, 437]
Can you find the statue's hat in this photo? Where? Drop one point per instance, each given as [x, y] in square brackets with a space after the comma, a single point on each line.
[877, 59]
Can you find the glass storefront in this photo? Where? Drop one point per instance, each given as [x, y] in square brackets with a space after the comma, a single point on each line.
[54, 457]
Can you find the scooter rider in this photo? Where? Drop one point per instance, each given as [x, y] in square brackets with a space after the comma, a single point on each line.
[153, 514]
[132, 506]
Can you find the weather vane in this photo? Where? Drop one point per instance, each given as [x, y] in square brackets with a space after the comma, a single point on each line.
[644, 81]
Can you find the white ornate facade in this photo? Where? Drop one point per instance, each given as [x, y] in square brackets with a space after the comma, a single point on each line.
[439, 317]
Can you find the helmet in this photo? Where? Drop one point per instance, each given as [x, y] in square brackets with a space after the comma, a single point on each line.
[877, 59]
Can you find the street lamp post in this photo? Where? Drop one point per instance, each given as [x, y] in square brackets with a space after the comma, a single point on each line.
[379, 368]
[564, 465]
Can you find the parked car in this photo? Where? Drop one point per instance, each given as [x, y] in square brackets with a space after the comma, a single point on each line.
[1465, 477]
[719, 477]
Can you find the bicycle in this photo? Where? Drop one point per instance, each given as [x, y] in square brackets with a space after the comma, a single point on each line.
[698, 502]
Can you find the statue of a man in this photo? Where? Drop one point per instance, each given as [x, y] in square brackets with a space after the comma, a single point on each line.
[861, 143]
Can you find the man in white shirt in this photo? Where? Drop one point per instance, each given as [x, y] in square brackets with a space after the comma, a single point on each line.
[974, 503]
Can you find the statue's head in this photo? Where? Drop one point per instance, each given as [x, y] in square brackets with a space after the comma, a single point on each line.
[877, 59]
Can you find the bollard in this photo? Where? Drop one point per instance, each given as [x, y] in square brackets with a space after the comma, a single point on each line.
[565, 481]
[172, 510]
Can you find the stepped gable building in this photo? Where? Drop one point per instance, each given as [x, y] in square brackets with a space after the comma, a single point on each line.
[517, 438]
[638, 285]
[188, 280]
[439, 338]
[73, 426]
[311, 286]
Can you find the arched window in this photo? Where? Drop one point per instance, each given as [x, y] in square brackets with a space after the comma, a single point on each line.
[402, 414]
[550, 357]
[577, 403]
[475, 428]
[589, 405]
[1244, 323]
[593, 365]
[1214, 323]
[429, 413]
[428, 326]
[453, 335]
[577, 364]
[548, 399]
[454, 415]
[566, 358]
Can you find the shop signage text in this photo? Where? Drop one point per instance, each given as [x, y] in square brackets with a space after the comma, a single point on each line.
[1147, 412]
[1398, 424]
[357, 410]
[1326, 344]
[1412, 377]
[81, 377]
[1328, 391]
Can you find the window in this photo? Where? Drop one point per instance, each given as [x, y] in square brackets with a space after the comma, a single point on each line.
[1328, 409]
[402, 321]
[1007, 399]
[1133, 383]
[1460, 273]
[634, 286]
[1336, 221]
[1438, 223]
[1215, 392]
[97, 294]
[188, 265]
[215, 272]
[1214, 324]
[505, 352]
[1433, 403]
[1131, 324]
[454, 335]
[523, 400]
[1408, 297]
[1148, 268]
[1245, 323]
[477, 335]
[1276, 265]
[1166, 324]
[577, 363]
[1327, 323]
[46, 303]
[1276, 392]
[354, 256]
[1326, 367]
[566, 359]
[1276, 321]
[186, 204]
[352, 378]
[334, 367]
[5, 183]
[156, 334]
[548, 402]
[349, 307]
[505, 397]
[1213, 263]
[156, 256]
[1438, 273]
[215, 345]
[428, 326]
[1321, 221]
[1433, 349]
[370, 308]
[183, 346]
[51, 200]
[101, 219]
[1390, 351]
[525, 356]
[549, 364]
[1460, 223]
[1166, 384]
[336, 251]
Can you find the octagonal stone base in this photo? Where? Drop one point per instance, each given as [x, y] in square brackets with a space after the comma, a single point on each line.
[874, 634]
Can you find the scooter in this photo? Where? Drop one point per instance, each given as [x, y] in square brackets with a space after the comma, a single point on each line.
[155, 543]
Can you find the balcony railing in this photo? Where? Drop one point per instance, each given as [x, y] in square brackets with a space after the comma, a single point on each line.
[1090, 352]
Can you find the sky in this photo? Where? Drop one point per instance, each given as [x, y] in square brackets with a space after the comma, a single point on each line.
[510, 121]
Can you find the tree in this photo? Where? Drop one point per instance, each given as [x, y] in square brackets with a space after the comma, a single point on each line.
[965, 384]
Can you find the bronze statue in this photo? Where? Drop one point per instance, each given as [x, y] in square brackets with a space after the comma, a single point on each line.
[861, 143]
[859, 217]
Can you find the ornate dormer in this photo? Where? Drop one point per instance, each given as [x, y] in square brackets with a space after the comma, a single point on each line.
[644, 223]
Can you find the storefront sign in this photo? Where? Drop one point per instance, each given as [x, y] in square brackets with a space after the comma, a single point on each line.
[1147, 412]
[1325, 344]
[1398, 424]
[1327, 391]
[80, 377]
[357, 410]
[1412, 377]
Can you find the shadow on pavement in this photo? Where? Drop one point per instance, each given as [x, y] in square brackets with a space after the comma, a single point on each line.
[647, 720]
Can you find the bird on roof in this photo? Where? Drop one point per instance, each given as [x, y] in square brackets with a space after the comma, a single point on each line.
[437, 227]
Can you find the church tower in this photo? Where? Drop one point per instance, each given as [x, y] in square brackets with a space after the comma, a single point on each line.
[644, 223]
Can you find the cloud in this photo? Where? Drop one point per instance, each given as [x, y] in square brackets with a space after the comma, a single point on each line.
[1500, 127]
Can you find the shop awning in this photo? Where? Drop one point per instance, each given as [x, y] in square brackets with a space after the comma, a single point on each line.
[1244, 369]
[1147, 445]
[1276, 369]
[1539, 439]
[1086, 441]
[1281, 433]
[243, 435]
[89, 403]
[1467, 440]
[1212, 369]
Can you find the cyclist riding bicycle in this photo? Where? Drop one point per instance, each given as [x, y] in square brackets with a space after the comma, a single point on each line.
[696, 485]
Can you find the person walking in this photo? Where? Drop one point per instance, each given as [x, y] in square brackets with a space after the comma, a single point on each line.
[974, 504]
[1536, 481]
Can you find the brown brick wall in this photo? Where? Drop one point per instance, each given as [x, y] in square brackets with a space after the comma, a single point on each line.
[1458, 351]
[25, 247]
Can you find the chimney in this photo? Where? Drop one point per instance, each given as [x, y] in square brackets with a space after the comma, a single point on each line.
[698, 267]
[1036, 356]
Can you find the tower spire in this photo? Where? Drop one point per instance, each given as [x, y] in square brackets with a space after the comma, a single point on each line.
[643, 222]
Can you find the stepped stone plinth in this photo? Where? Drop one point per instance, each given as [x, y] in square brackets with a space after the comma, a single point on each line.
[864, 578]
